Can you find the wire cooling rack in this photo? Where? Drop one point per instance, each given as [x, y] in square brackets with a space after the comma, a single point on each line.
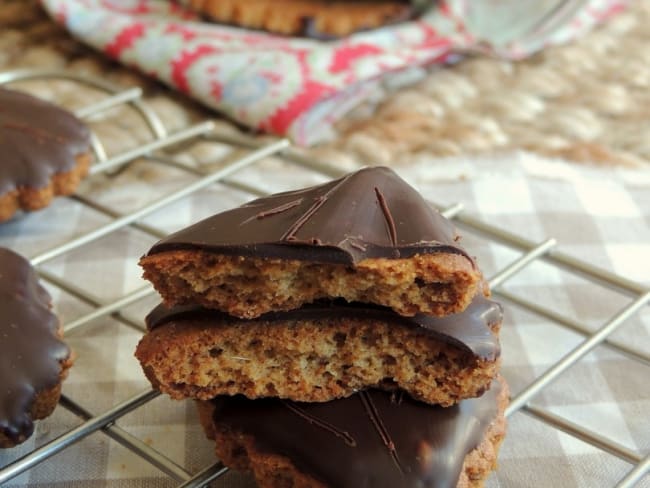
[159, 150]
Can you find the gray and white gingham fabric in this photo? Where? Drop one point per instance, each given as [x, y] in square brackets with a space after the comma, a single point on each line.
[598, 216]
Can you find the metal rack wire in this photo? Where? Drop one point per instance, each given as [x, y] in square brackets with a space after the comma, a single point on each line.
[639, 296]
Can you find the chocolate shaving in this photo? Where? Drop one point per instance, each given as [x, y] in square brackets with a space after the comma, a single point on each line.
[358, 246]
[274, 211]
[341, 434]
[375, 418]
[392, 231]
[304, 218]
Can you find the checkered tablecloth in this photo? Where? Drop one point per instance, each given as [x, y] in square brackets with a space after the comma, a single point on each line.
[600, 216]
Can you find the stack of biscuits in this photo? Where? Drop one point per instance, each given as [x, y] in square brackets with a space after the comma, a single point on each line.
[334, 336]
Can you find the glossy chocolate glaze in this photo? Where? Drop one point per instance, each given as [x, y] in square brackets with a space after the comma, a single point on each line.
[470, 330]
[372, 213]
[371, 439]
[37, 141]
[30, 352]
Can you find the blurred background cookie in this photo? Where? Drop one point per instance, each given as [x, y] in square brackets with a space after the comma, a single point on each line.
[313, 18]
[44, 152]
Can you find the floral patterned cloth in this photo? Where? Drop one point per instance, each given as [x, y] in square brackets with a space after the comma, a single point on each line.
[288, 86]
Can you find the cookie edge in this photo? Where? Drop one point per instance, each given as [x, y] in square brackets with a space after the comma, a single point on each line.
[29, 199]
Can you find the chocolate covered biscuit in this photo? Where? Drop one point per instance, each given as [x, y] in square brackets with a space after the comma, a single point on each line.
[367, 237]
[44, 152]
[33, 359]
[322, 351]
[373, 439]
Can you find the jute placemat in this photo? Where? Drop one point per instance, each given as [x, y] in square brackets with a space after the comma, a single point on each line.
[587, 102]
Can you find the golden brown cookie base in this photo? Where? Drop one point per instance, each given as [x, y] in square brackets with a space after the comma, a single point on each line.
[239, 452]
[299, 17]
[309, 360]
[30, 199]
[432, 284]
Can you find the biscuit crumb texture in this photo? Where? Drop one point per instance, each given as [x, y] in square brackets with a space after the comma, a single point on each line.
[434, 284]
[309, 361]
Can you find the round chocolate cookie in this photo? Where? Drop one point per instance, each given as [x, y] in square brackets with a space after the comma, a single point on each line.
[312, 18]
[44, 151]
[33, 359]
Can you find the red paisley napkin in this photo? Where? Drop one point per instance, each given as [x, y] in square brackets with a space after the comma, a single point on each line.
[288, 86]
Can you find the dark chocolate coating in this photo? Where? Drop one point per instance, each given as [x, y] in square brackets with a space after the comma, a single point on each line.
[371, 439]
[371, 213]
[37, 141]
[30, 351]
[470, 330]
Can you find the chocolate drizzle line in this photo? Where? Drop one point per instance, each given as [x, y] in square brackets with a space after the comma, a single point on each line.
[341, 434]
[375, 418]
[290, 234]
[392, 232]
[274, 211]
